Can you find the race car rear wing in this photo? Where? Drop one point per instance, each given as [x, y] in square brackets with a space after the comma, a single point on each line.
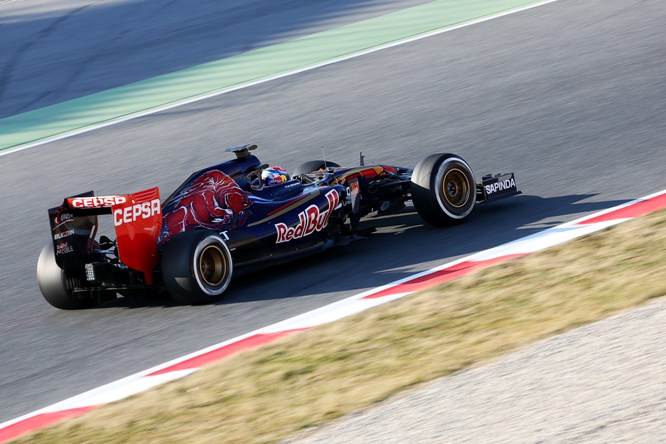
[137, 219]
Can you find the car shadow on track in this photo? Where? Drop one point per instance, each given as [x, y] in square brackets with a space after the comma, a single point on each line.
[401, 246]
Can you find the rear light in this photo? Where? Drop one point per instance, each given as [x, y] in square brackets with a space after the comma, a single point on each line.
[90, 272]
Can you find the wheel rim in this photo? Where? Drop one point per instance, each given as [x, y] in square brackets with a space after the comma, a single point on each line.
[212, 266]
[455, 188]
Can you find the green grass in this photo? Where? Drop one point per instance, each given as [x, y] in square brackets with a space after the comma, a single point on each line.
[307, 379]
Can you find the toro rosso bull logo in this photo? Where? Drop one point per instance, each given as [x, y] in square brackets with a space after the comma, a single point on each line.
[309, 220]
[213, 201]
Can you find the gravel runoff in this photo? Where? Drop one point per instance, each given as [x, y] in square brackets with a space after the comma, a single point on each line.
[601, 383]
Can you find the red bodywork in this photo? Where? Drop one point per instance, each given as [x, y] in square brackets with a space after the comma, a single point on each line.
[138, 221]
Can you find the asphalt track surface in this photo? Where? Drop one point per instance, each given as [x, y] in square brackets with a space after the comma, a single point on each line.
[56, 51]
[571, 96]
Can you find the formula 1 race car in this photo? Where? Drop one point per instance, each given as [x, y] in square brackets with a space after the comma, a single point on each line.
[226, 219]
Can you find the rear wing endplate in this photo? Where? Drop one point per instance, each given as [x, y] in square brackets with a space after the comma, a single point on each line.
[138, 222]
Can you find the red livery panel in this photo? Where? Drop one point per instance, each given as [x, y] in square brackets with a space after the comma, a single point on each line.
[138, 221]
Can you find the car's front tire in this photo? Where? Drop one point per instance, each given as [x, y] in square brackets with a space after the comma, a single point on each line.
[196, 267]
[443, 189]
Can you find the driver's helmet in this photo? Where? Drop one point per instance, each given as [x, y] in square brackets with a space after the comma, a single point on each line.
[274, 175]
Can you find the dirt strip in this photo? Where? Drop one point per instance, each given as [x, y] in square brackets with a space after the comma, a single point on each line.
[605, 382]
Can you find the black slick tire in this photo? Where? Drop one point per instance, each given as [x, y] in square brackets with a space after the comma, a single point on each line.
[55, 285]
[443, 189]
[196, 267]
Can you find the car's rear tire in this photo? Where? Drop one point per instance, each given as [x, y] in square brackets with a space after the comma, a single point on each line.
[314, 166]
[54, 283]
[443, 189]
[196, 267]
